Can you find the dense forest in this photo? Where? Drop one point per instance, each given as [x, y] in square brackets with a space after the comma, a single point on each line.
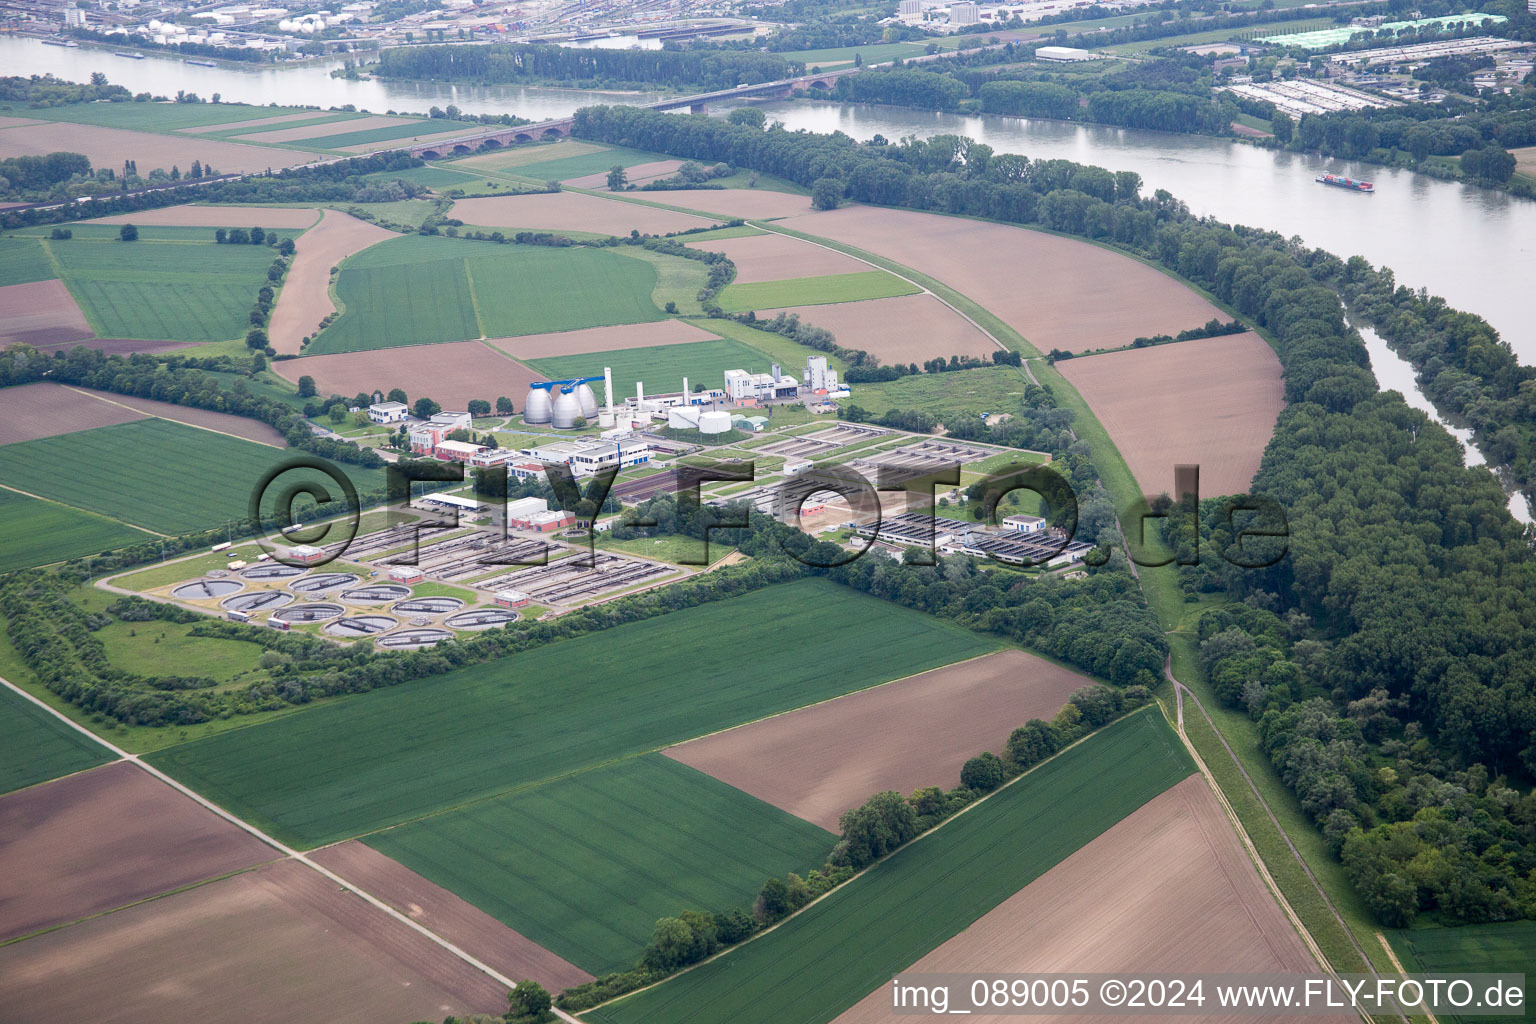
[1391, 658]
[524, 62]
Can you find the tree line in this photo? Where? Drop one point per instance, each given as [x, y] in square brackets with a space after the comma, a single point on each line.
[521, 62]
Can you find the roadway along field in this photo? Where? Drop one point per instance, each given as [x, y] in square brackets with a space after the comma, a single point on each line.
[728, 203]
[1213, 401]
[585, 865]
[824, 960]
[343, 768]
[777, 257]
[42, 314]
[463, 924]
[451, 373]
[45, 409]
[1169, 890]
[281, 943]
[38, 746]
[814, 291]
[663, 367]
[306, 296]
[820, 761]
[908, 329]
[419, 289]
[1057, 292]
[209, 419]
[163, 290]
[152, 473]
[41, 532]
[106, 838]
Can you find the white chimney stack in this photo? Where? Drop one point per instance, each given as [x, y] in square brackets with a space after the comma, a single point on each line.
[685, 390]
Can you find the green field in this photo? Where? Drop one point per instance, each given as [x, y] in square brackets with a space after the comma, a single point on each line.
[163, 290]
[586, 864]
[739, 231]
[38, 746]
[822, 961]
[23, 260]
[153, 473]
[580, 164]
[422, 289]
[787, 352]
[814, 291]
[877, 53]
[1506, 948]
[40, 532]
[661, 367]
[389, 133]
[87, 232]
[154, 117]
[987, 389]
[352, 766]
[165, 648]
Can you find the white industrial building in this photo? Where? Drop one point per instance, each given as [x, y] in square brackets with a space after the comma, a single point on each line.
[425, 437]
[586, 457]
[964, 13]
[388, 412]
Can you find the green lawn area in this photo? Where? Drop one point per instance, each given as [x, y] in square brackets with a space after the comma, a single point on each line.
[814, 291]
[164, 648]
[1505, 948]
[163, 574]
[421, 289]
[739, 231]
[38, 746]
[434, 177]
[877, 53]
[41, 532]
[678, 280]
[669, 547]
[787, 352]
[987, 389]
[661, 367]
[153, 473]
[154, 117]
[23, 260]
[367, 762]
[822, 961]
[585, 864]
[163, 290]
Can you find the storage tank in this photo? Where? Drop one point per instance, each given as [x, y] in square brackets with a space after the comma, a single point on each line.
[588, 401]
[537, 407]
[567, 408]
[716, 421]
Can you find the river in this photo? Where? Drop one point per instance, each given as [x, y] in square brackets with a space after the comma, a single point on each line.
[1475, 246]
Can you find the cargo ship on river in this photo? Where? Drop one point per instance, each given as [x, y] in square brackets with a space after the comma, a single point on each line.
[1353, 184]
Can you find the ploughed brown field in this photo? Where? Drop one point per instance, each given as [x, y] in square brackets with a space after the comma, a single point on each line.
[223, 422]
[750, 203]
[820, 761]
[1168, 889]
[636, 175]
[253, 125]
[274, 945]
[1057, 292]
[572, 211]
[109, 147]
[1212, 401]
[103, 839]
[299, 133]
[905, 329]
[31, 411]
[777, 257]
[451, 373]
[306, 296]
[40, 314]
[601, 339]
[218, 217]
[463, 924]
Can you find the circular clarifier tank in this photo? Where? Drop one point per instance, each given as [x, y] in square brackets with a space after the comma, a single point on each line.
[202, 590]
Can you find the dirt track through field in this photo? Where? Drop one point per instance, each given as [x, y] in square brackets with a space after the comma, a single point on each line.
[905, 329]
[40, 314]
[218, 217]
[103, 839]
[820, 761]
[109, 147]
[44, 409]
[461, 923]
[1057, 292]
[1213, 401]
[601, 339]
[306, 296]
[1168, 889]
[451, 374]
[572, 211]
[778, 257]
[271, 946]
[208, 419]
